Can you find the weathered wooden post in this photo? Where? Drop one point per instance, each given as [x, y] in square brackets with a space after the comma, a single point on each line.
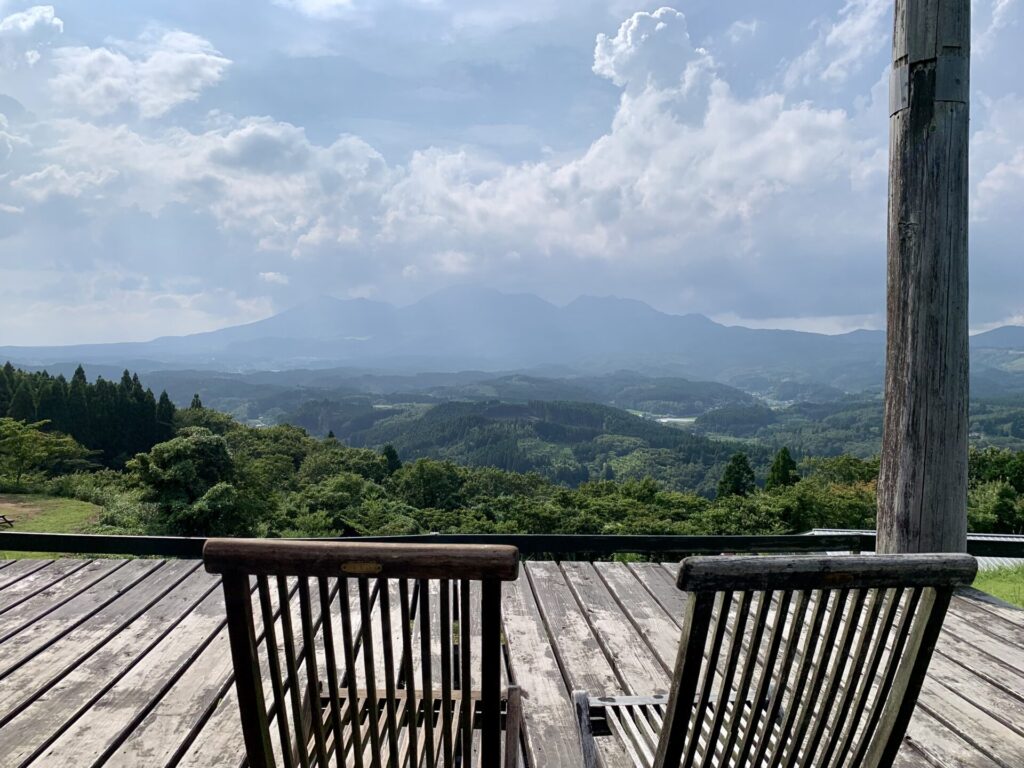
[922, 486]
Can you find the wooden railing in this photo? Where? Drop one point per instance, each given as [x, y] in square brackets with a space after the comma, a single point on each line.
[554, 546]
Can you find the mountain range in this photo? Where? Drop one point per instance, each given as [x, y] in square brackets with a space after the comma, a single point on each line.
[472, 328]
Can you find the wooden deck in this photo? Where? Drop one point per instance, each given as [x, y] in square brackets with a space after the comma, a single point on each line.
[126, 663]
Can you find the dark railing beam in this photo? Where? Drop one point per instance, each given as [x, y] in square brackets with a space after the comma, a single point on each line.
[555, 546]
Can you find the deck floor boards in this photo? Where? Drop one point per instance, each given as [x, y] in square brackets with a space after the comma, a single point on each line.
[109, 663]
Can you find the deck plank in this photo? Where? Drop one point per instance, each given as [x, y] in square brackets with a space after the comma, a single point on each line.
[73, 614]
[632, 660]
[45, 601]
[548, 720]
[991, 622]
[658, 627]
[119, 710]
[25, 577]
[583, 662]
[942, 746]
[74, 691]
[41, 581]
[168, 730]
[130, 663]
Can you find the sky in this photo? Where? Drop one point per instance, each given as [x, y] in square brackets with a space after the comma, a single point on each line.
[170, 167]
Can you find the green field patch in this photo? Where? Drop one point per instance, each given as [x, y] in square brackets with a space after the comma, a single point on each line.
[46, 514]
[1005, 583]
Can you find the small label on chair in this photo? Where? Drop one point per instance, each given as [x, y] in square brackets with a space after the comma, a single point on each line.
[361, 567]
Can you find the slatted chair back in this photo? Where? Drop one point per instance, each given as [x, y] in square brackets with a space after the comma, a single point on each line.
[392, 656]
[803, 661]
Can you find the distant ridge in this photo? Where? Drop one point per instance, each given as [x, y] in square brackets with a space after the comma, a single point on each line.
[467, 327]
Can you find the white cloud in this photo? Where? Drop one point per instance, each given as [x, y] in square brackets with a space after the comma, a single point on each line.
[42, 303]
[25, 23]
[24, 32]
[1000, 16]
[318, 9]
[166, 71]
[8, 139]
[648, 51]
[682, 176]
[997, 158]
[274, 278]
[259, 177]
[56, 180]
[843, 46]
[708, 189]
[742, 30]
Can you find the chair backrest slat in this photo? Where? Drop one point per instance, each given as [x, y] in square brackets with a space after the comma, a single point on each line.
[764, 683]
[800, 696]
[406, 613]
[812, 701]
[352, 667]
[351, 683]
[426, 618]
[743, 687]
[280, 702]
[702, 700]
[388, 657]
[465, 669]
[447, 744]
[331, 660]
[313, 710]
[719, 734]
[833, 673]
[300, 741]
[824, 672]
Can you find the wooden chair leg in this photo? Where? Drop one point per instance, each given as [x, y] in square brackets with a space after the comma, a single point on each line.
[581, 701]
[513, 718]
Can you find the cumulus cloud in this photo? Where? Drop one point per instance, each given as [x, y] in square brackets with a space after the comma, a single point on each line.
[685, 163]
[703, 192]
[24, 32]
[154, 75]
[843, 45]
[648, 50]
[257, 176]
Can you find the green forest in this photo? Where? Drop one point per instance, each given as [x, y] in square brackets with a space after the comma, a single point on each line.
[474, 467]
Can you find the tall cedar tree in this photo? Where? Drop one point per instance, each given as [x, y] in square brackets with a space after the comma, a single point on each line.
[391, 456]
[164, 418]
[738, 477]
[5, 392]
[53, 405]
[22, 407]
[78, 408]
[783, 471]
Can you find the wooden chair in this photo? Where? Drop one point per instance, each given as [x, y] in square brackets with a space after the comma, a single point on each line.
[788, 661]
[393, 659]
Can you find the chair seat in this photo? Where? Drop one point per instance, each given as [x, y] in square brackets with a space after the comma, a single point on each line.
[410, 715]
[637, 722]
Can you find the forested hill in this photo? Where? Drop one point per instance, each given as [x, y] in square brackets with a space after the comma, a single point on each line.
[566, 442]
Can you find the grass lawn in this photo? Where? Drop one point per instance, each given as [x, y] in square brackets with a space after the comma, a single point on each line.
[1005, 583]
[46, 514]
